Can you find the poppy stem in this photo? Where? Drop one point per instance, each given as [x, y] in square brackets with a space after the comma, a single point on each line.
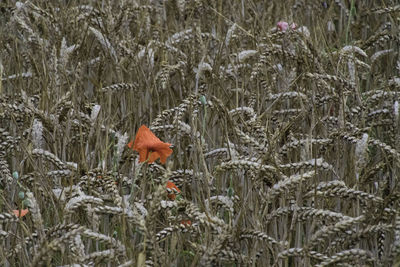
[204, 124]
[148, 156]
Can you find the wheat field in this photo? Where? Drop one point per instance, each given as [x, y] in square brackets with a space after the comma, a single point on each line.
[283, 118]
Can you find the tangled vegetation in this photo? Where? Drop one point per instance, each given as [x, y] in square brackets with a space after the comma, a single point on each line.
[283, 118]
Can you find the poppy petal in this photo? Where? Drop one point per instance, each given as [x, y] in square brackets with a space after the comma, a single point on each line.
[146, 142]
[153, 156]
[186, 222]
[143, 154]
[164, 151]
[145, 137]
[130, 144]
[20, 213]
[172, 186]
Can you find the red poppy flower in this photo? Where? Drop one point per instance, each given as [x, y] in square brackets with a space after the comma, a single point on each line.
[186, 222]
[172, 189]
[150, 148]
[20, 213]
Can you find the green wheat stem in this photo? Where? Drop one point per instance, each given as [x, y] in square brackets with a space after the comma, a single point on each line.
[352, 13]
